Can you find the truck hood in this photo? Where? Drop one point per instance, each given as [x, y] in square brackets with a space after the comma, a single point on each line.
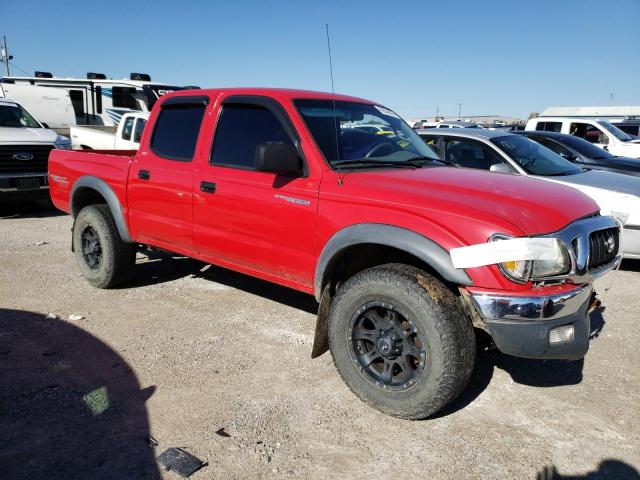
[10, 136]
[616, 194]
[533, 206]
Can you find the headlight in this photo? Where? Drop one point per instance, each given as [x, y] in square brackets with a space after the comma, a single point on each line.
[523, 271]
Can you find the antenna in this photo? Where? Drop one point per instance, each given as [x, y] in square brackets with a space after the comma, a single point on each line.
[333, 97]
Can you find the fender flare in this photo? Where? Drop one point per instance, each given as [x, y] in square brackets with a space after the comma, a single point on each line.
[381, 234]
[100, 186]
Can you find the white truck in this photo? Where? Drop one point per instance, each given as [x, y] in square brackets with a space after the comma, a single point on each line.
[24, 152]
[126, 136]
[598, 132]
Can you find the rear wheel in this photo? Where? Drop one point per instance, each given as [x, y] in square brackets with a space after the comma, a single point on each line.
[104, 259]
[401, 341]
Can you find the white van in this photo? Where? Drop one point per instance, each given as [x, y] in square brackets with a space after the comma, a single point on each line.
[598, 132]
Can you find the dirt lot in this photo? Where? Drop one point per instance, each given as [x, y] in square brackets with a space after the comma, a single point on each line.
[187, 349]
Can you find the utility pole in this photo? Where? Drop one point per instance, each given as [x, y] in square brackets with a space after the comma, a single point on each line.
[437, 112]
[5, 54]
[459, 111]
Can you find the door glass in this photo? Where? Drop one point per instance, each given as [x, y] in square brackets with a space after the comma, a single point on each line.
[137, 132]
[240, 130]
[127, 128]
[588, 132]
[471, 154]
[176, 130]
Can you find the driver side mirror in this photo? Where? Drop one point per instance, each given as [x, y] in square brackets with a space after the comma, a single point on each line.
[500, 168]
[603, 139]
[278, 157]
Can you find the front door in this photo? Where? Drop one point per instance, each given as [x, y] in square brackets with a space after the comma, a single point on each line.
[161, 177]
[257, 222]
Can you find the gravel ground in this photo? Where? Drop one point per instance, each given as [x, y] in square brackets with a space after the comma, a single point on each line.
[186, 349]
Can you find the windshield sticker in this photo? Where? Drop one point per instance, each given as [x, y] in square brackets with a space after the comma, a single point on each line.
[507, 144]
[385, 111]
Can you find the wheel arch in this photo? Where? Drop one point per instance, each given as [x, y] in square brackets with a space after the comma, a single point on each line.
[90, 190]
[382, 235]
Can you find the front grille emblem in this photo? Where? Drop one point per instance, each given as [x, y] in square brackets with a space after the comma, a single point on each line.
[22, 156]
[610, 244]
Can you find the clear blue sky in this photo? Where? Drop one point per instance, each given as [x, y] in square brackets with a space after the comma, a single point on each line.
[507, 57]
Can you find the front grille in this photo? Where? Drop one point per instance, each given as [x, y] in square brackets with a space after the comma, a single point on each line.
[603, 247]
[10, 162]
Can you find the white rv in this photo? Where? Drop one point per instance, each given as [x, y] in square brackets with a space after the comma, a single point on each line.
[95, 100]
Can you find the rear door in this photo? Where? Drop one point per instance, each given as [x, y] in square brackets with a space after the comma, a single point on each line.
[258, 222]
[161, 177]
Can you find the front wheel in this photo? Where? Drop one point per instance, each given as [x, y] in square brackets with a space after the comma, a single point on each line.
[105, 260]
[401, 341]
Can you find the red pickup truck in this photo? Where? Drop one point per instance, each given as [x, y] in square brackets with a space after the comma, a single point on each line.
[294, 187]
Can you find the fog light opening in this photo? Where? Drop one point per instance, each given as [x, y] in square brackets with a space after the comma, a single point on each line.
[561, 335]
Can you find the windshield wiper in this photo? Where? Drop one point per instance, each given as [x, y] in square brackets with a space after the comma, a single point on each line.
[423, 158]
[366, 163]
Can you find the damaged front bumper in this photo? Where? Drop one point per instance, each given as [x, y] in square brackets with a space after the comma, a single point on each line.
[550, 325]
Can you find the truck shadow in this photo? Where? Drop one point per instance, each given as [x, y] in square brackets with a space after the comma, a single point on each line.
[534, 373]
[609, 469]
[70, 407]
[165, 267]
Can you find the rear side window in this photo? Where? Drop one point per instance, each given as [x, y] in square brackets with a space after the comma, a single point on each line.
[549, 126]
[176, 132]
[241, 128]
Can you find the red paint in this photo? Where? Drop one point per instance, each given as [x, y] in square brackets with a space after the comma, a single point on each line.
[248, 225]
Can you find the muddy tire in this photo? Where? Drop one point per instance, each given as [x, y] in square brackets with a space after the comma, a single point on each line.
[104, 259]
[401, 341]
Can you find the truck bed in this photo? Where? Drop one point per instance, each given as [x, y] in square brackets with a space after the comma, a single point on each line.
[108, 166]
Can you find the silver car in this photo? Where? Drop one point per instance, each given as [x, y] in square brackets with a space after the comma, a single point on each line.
[506, 153]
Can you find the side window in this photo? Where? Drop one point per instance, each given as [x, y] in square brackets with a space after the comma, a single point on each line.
[241, 128]
[549, 126]
[124, 97]
[175, 133]
[77, 100]
[432, 143]
[588, 132]
[127, 128]
[137, 131]
[471, 154]
[555, 147]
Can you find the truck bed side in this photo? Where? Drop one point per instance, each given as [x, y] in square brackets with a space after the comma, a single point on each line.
[66, 167]
[92, 136]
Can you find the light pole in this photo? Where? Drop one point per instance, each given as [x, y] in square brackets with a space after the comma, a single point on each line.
[459, 111]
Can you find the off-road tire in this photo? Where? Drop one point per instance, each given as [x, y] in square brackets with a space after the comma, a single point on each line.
[449, 339]
[118, 257]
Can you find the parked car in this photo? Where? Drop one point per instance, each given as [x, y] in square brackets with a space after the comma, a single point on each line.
[268, 183]
[584, 154]
[630, 126]
[126, 136]
[24, 150]
[598, 132]
[504, 152]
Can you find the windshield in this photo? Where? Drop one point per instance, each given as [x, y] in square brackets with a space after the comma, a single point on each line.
[352, 132]
[13, 115]
[615, 131]
[583, 147]
[533, 157]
